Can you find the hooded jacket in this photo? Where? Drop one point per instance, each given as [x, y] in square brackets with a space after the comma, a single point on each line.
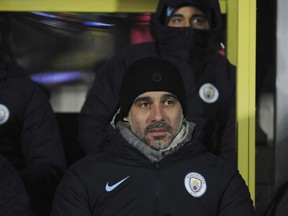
[209, 81]
[29, 134]
[120, 180]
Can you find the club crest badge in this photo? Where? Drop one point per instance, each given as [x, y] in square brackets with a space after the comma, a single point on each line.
[4, 114]
[195, 184]
[209, 93]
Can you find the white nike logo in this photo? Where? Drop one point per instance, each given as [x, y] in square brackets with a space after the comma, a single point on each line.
[112, 187]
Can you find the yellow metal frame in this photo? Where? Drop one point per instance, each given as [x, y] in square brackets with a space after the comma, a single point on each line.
[241, 18]
[84, 5]
[241, 51]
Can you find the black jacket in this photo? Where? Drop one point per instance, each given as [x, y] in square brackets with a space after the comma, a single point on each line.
[208, 76]
[13, 198]
[29, 133]
[120, 180]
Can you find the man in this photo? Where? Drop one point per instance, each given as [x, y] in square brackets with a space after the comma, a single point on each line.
[152, 162]
[29, 134]
[13, 198]
[30, 138]
[184, 33]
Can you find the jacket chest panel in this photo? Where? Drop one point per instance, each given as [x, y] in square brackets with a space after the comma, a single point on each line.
[153, 191]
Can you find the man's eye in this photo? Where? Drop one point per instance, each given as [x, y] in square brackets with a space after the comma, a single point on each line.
[176, 20]
[144, 105]
[169, 102]
[199, 21]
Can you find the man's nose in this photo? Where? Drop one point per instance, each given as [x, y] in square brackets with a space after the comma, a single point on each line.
[158, 113]
[187, 23]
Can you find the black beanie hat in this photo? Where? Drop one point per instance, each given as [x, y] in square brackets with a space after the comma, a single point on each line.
[150, 74]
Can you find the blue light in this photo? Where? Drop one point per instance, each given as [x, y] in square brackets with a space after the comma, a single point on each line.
[45, 15]
[56, 77]
[97, 24]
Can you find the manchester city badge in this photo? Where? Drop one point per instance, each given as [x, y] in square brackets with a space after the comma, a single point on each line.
[208, 93]
[4, 114]
[195, 184]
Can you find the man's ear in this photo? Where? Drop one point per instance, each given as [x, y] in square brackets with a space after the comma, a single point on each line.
[125, 119]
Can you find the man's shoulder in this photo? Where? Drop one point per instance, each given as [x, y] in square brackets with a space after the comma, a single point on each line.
[216, 162]
[219, 66]
[217, 58]
[131, 53]
[89, 162]
[138, 49]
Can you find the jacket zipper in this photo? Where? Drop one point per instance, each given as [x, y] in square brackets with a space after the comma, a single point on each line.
[157, 188]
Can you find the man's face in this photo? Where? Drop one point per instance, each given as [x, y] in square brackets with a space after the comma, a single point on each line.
[156, 118]
[188, 17]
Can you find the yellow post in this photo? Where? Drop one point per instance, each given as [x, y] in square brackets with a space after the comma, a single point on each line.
[78, 6]
[84, 5]
[241, 52]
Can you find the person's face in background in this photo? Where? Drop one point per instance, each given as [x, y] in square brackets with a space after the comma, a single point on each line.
[156, 118]
[189, 16]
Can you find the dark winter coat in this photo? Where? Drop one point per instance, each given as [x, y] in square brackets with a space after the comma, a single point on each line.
[120, 180]
[29, 134]
[13, 198]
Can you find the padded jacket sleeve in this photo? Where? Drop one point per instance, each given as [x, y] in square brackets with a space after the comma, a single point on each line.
[236, 199]
[101, 105]
[40, 140]
[228, 133]
[71, 197]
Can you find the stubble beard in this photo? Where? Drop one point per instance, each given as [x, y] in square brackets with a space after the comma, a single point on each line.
[158, 142]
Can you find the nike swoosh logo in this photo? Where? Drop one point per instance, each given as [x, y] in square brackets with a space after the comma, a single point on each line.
[112, 187]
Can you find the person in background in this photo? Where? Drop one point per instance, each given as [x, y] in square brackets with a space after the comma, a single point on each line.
[185, 33]
[29, 133]
[152, 161]
[14, 200]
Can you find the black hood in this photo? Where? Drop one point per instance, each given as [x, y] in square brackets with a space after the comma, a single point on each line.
[210, 8]
[8, 65]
